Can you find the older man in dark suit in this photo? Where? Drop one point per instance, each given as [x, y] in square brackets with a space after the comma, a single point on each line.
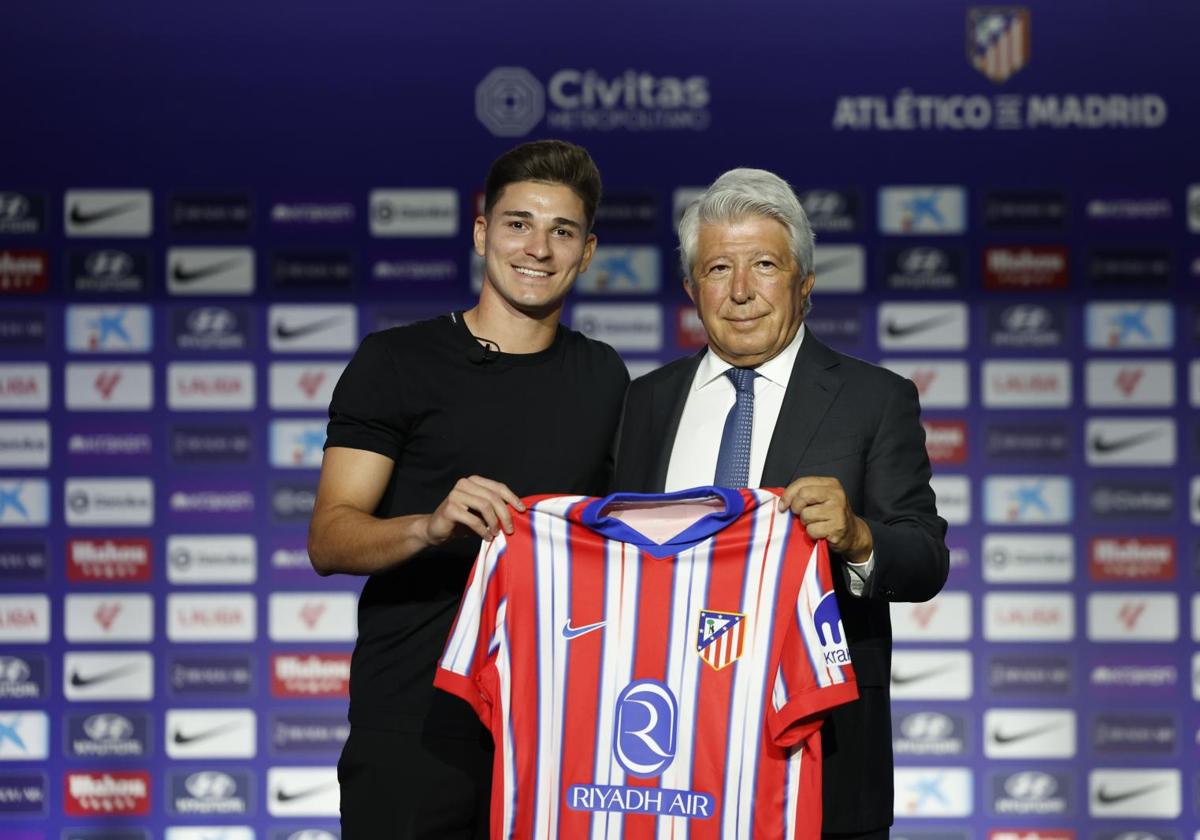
[766, 404]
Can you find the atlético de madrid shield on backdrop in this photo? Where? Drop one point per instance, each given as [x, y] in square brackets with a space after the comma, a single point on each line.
[720, 637]
[998, 40]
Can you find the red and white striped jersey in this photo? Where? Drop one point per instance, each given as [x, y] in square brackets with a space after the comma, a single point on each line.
[652, 689]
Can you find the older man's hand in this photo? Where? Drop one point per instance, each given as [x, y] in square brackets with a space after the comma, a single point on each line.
[821, 504]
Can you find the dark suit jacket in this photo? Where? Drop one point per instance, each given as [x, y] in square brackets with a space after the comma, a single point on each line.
[859, 423]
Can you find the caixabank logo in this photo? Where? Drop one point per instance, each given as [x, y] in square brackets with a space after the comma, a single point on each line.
[512, 101]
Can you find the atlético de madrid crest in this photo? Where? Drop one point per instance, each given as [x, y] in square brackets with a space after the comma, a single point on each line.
[998, 40]
[720, 637]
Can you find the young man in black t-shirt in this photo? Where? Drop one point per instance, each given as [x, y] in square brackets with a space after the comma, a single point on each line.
[435, 429]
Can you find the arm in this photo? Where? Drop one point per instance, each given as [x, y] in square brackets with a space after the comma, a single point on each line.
[344, 536]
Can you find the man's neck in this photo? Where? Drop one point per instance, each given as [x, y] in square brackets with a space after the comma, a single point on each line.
[513, 330]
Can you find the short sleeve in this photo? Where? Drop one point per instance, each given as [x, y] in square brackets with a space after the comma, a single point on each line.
[366, 411]
[467, 667]
[814, 673]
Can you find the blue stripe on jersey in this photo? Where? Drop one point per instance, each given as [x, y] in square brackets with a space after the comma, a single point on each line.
[614, 529]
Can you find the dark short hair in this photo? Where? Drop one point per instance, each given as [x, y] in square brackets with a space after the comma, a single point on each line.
[549, 162]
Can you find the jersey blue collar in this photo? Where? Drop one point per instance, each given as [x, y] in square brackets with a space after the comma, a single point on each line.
[611, 528]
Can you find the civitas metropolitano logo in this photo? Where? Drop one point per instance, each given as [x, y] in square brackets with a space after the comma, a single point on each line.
[512, 101]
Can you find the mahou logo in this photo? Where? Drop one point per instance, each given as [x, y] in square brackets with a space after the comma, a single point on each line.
[1132, 558]
[107, 794]
[324, 675]
[946, 441]
[122, 559]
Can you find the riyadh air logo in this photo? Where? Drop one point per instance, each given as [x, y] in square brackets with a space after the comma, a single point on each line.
[644, 732]
[720, 637]
[510, 101]
[998, 40]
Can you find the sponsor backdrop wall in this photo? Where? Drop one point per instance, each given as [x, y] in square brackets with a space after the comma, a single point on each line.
[203, 210]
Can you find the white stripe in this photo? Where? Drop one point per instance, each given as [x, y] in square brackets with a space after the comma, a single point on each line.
[612, 679]
[504, 674]
[460, 649]
[791, 802]
[806, 604]
[683, 674]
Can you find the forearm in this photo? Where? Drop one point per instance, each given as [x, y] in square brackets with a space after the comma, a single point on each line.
[345, 540]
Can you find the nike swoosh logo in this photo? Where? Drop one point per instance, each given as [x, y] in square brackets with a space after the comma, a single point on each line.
[81, 217]
[1008, 738]
[570, 632]
[1102, 444]
[282, 795]
[188, 275]
[180, 738]
[900, 330]
[285, 332]
[917, 676]
[834, 263]
[1106, 797]
[80, 681]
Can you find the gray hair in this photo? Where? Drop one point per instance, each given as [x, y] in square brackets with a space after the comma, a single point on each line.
[744, 192]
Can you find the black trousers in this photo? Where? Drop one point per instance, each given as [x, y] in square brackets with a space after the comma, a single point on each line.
[878, 834]
[410, 786]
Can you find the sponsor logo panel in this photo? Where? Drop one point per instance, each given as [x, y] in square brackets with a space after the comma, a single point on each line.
[97, 386]
[842, 268]
[953, 497]
[24, 387]
[299, 328]
[208, 793]
[1139, 268]
[210, 675]
[1031, 793]
[1025, 210]
[929, 733]
[109, 442]
[109, 560]
[108, 271]
[1026, 268]
[926, 326]
[297, 443]
[931, 674]
[212, 617]
[1126, 733]
[220, 832]
[397, 268]
[1029, 733]
[108, 675]
[934, 792]
[24, 503]
[109, 329]
[832, 211]
[210, 271]
[946, 441]
[839, 323]
[622, 270]
[108, 213]
[1028, 616]
[210, 213]
[24, 271]
[210, 733]
[314, 213]
[1130, 383]
[23, 677]
[104, 734]
[223, 444]
[414, 212]
[1132, 617]
[290, 559]
[1132, 500]
[1129, 325]
[940, 384]
[914, 210]
[210, 328]
[302, 792]
[22, 213]
[689, 330]
[626, 326]
[1028, 500]
[25, 560]
[1132, 558]
[627, 212]
[109, 501]
[1125, 209]
[23, 794]
[946, 618]
[1026, 383]
[24, 618]
[313, 616]
[312, 270]
[1025, 326]
[308, 733]
[325, 675]
[1146, 441]
[24, 444]
[211, 559]
[292, 502]
[1148, 676]
[24, 736]
[202, 386]
[22, 328]
[108, 618]
[1027, 676]
[923, 268]
[1122, 792]
[303, 385]
[1028, 558]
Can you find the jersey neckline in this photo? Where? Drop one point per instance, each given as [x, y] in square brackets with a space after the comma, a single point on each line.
[736, 503]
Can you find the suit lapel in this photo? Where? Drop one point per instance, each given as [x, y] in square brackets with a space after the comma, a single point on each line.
[813, 386]
[666, 405]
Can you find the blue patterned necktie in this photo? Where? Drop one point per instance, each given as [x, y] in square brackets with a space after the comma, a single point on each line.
[733, 459]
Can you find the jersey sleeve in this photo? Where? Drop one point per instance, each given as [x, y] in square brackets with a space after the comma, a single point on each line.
[467, 667]
[366, 411]
[814, 673]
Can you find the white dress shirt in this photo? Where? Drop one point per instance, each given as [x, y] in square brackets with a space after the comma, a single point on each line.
[694, 457]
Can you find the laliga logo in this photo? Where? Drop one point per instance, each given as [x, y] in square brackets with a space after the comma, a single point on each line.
[644, 735]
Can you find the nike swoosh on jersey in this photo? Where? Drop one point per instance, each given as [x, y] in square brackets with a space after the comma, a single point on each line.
[282, 795]
[1101, 444]
[81, 217]
[80, 681]
[570, 632]
[1105, 797]
[180, 738]
[188, 275]
[283, 331]
[1009, 738]
[900, 330]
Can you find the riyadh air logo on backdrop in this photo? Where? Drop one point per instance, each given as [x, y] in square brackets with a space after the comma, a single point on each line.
[1130, 325]
[933, 792]
[621, 270]
[24, 503]
[511, 101]
[998, 41]
[923, 210]
[107, 213]
[645, 724]
[1144, 793]
[1028, 500]
[109, 329]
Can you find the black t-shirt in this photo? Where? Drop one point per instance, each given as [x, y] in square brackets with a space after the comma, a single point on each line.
[423, 396]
